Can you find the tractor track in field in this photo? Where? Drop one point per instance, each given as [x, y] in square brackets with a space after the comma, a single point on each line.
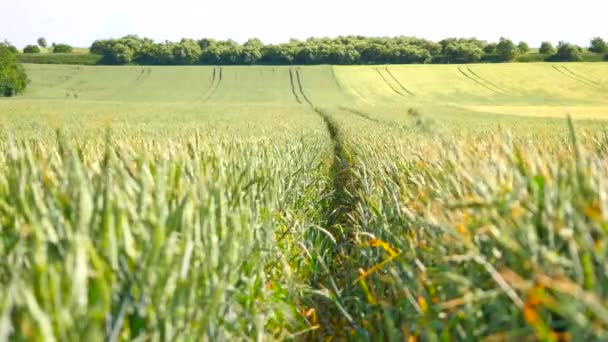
[341, 172]
[293, 86]
[144, 74]
[571, 74]
[66, 78]
[300, 88]
[487, 81]
[478, 81]
[564, 73]
[333, 75]
[388, 83]
[398, 82]
[216, 80]
[366, 116]
[599, 84]
[343, 200]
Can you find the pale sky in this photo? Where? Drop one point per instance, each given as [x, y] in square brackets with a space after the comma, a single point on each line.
[80, 22]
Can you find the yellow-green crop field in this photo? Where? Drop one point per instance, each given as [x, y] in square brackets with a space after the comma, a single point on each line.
[414, 202]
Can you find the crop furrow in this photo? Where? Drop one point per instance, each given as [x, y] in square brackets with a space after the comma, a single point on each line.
[487, 81]
[477, 81]
[580, 76]
[388, 83]
[344, 184]
[293, 87]
[215, 83]
[366, 116]
[301, 89]
[582, 81]
[398, 82]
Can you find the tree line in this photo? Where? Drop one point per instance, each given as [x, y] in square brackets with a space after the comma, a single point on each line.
[342, 50]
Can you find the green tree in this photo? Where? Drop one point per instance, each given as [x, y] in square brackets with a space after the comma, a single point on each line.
[523, 47]
[546, 48]
[490, 48]
[506, 50]
[463, 52]
[186, 52]
[42, 42]
[121, 54]
[12, 48]
[31, 49]
[13, 78]
[62, 48]
[598, 45]
[567, 52]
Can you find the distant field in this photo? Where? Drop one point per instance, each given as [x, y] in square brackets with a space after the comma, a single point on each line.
[544, 89]
[401, 202]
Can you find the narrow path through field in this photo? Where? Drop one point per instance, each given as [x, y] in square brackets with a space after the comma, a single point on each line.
[343, 202]
[397, 81]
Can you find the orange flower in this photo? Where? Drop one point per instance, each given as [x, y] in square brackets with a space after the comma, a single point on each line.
[423, 304]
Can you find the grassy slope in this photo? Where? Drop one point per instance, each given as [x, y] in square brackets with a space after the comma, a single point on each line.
[513, 89]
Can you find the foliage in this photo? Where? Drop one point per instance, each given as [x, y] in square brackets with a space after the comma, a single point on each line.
[463, 52]
[567, 52]
[598, 45]
[506, 50]
[42, 42]
[13, 78]
[31, 49]
[523, 47]
[12, 48]
[62, 48]
[490, 48]
[349, 50]
[60, 58]
[546, 48]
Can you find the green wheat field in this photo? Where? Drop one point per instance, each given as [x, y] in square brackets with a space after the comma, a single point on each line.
[417, 203]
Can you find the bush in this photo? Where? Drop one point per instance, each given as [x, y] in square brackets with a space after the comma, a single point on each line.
[531, 57]
[567, 52]
[523, 47]
[598, 45]
[60, 58]
[546, 48]
[12, 75]
[31, 49]
[506, 49]
[62, 48]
